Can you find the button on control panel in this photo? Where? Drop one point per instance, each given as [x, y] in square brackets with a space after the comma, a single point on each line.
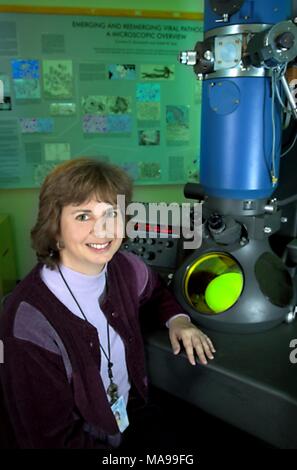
[156, 235]
[159, 252]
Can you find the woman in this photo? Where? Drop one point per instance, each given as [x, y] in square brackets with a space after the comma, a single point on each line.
[74, 355]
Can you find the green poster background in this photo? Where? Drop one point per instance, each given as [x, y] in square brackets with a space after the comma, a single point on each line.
[111, 88]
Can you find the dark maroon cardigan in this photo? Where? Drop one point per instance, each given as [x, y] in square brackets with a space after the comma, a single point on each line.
[50, 376]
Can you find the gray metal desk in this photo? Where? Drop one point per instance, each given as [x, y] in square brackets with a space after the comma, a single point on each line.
[250, 384]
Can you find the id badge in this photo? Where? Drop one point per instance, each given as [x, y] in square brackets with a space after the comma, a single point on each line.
[120, 413]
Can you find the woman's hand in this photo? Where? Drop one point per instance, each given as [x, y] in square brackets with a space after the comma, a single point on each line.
[194, 340]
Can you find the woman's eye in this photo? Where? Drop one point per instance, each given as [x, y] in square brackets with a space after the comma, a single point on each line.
[82, 217]
[112, 213]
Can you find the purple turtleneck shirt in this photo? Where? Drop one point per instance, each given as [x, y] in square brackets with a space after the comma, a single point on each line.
[87, 290]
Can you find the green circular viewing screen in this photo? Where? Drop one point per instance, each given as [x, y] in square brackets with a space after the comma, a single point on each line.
[213, 283]
[223, 291]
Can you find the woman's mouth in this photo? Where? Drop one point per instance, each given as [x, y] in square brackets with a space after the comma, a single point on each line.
[99, 247]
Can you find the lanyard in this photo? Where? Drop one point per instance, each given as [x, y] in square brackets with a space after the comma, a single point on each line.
[112, 389]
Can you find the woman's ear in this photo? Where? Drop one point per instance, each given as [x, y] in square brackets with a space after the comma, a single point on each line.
[60, 245]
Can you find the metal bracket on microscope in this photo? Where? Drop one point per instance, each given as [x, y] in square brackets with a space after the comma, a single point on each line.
[245, 51]
[289, 96]
[273, 46]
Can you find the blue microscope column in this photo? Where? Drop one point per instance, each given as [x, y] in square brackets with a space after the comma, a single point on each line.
[236, 135]
[237, 129]
[251, 12]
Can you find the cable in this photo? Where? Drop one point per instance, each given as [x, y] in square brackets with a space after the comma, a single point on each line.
[282, 71]
[287, 120]
[285, 108]
[287, 112]
[286, 201]
[277, 73]
[273, 174]
[291, 146]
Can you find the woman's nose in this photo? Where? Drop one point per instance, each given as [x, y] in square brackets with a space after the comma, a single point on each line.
[99, 227]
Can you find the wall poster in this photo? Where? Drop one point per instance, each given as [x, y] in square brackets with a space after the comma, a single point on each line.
[105, 87]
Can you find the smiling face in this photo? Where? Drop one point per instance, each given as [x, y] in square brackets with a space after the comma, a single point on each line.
[90, 233]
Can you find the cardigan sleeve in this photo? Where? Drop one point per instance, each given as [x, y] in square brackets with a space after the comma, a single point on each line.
[157, 297]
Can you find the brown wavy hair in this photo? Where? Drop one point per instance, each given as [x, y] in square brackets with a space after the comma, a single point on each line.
[73, 182]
